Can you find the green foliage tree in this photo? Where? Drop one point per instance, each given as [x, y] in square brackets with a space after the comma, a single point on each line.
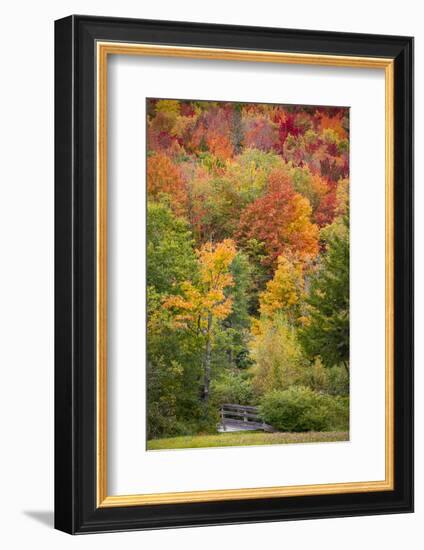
[241, 273]
[174, 374]
[164, 386]
[230, 345]
[326, 334]
[170, 254]
[173, 358]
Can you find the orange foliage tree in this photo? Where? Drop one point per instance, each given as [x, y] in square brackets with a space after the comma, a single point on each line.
[281, 219]
[164, 178]
[334, 123]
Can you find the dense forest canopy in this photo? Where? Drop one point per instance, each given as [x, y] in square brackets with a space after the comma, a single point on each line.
[247, 264]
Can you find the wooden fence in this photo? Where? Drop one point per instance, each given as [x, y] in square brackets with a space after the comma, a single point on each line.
[241, 417]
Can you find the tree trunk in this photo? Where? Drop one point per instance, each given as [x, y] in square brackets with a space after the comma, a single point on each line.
[346, 366]
[208, 353]
[237, 133]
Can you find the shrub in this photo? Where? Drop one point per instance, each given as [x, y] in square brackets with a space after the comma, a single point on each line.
[315, 376]
[300, 409]
[232, 387]
[331, 380]
[205, 423]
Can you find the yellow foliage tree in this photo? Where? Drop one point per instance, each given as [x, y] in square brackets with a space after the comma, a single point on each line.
[342, 196]
[277, 355]
[201, 304]
[285, 292]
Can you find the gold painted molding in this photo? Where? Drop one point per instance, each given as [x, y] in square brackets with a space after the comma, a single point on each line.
[104, 49]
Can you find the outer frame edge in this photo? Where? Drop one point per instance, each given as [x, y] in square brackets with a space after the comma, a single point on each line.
[99, 522]
[64, 490]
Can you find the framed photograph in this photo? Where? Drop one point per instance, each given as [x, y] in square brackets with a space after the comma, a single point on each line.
[234, 274]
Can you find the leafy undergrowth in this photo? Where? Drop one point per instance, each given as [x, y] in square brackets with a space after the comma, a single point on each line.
[234, 439]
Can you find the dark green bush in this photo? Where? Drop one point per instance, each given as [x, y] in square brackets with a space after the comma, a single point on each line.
[300, 409]
[202, 421]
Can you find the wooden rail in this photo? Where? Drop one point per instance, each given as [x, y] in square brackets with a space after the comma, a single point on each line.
[241, 417]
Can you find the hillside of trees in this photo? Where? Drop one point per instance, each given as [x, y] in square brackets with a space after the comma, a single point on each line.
[247, 264]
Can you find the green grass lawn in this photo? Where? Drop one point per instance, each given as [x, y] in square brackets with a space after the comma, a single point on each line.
[233, 439]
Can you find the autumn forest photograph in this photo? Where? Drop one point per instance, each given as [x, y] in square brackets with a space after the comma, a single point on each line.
[247, 254]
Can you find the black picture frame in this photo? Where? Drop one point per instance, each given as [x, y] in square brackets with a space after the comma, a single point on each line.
[76, 510]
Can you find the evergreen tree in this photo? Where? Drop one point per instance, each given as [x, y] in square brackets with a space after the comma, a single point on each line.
[327, 332]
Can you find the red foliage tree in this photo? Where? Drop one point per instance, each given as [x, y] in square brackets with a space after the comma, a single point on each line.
[260, 133]
[326, 210]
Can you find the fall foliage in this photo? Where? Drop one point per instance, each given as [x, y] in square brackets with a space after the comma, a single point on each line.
[247, 261]
[197, 302]
[281, 219]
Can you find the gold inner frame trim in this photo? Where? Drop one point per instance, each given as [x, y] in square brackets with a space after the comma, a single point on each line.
[103, 50]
